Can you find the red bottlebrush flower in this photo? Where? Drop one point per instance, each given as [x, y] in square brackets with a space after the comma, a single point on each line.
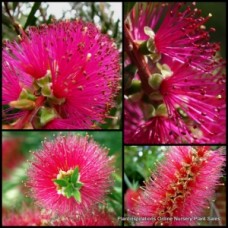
[70, 175]
[181, 187]
[11, 155]
[199, 99]
[92, 218]
[130, 199]
[63, 75]
[175, 30]
[26, 217]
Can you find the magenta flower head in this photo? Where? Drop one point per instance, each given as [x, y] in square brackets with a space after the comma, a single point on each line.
[178, 83]
[175, 30]
[181, 187]
[60, 76]
[196, 100]
[70, 175]
[143, 128]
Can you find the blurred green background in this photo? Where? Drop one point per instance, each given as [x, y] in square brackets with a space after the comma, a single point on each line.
[106, 15]
[16, 147]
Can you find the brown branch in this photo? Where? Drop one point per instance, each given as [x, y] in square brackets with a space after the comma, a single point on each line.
[137, 59]
[15, 24]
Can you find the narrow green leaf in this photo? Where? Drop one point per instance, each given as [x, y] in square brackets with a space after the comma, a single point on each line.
[46, 115]
[61, 183]
[6, 21]
[46, 90]
[127, 7]
[69, 191]
[15, 4]
[115, 32]
[31, 17]
[77, 196]
[74, 176]
[129, 73]
[78, 185]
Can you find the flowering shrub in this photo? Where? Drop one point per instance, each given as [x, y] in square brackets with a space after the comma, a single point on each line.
[60, 76]
[180, 188]
[70, 175]
[69, 180]
[175, 81]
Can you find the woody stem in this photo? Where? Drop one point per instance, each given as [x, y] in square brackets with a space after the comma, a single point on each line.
[137, 59]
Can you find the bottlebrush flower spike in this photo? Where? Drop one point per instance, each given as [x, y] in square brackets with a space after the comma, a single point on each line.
[96, 217]
[130, 199]
[63, 75]
[26, 217]
[181, 34]
[70, 175]
[182, 186]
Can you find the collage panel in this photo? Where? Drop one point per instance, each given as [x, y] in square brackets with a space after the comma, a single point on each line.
[61, 178]
[113, 114]
[62, 65]
[175, 186]
[174, 73]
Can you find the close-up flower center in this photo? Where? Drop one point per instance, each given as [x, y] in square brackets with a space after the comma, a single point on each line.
[42, 93]
[68, 184]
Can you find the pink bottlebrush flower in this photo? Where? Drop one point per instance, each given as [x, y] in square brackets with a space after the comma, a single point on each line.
[11, 155]
[26, 217]
[181, 94]
[96, 217]
[62, 75]
[199, 99]
[181, 187]
[130, 199]
[70, 175]
[133, 117]
[155, 129]
[176, 30]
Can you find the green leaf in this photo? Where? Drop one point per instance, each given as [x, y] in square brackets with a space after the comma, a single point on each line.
[78, 185]
[6, 21]
[69, 190]
[46, 115]
[135, 87]
[41, 82]
[74, 176]
[115, 31]
[129, 73]
[23, 104]
[46, 90]
[15, 4]
[127, 7]
[61, 183]
[31, 17]
[77, 196]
